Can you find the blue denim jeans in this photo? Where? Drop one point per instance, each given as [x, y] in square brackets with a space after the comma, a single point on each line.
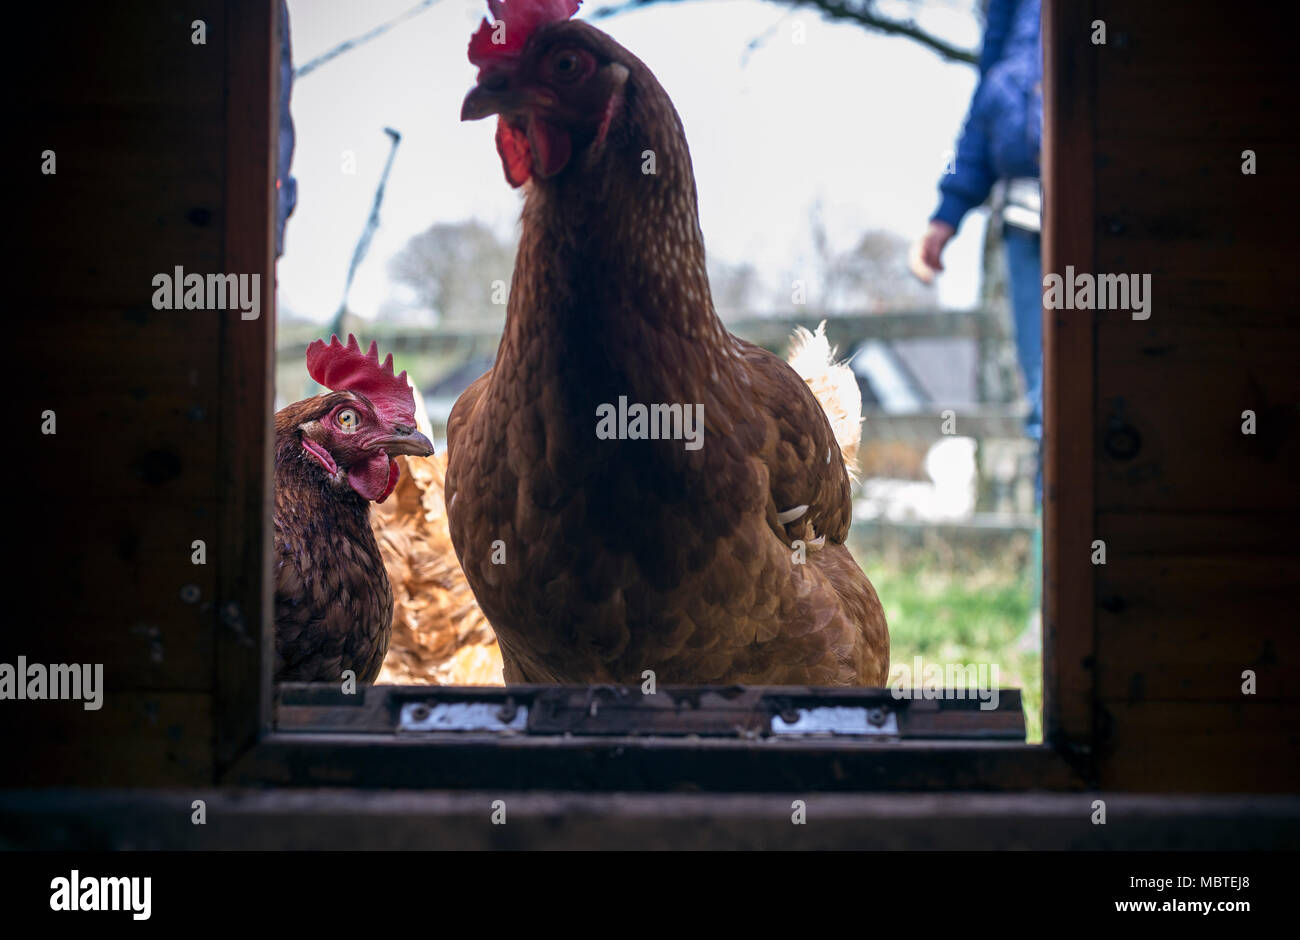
[1025, 284]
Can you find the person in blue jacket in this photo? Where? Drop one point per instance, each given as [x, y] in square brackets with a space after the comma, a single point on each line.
[1000, 145]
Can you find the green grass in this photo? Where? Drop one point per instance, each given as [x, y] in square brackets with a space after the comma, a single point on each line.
[971, 616]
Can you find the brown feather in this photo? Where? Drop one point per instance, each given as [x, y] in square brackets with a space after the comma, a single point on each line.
[440, 636]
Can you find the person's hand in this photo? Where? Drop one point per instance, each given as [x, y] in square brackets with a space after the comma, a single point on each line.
[925, 258]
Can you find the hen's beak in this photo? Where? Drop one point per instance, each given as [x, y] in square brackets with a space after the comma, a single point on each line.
[480, 102]
[497, 94]
[413, 443]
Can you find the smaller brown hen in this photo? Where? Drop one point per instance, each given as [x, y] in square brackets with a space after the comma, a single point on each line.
[334, 454]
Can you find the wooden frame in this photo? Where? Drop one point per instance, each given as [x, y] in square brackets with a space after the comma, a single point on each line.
[242, 710]
[250, 751]
[400, 820]
[1069, 343]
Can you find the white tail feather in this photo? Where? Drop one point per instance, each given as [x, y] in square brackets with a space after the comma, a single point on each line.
[835, 386]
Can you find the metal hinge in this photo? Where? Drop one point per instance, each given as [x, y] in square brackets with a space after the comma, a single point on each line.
[837, 719]
[463, 716]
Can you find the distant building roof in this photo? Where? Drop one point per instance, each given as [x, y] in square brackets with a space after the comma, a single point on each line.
[907, 375]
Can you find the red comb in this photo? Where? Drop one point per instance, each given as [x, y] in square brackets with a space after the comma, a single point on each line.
[347, 369]
[520, 18]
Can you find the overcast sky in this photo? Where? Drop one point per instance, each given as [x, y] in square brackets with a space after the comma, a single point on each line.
[861, 121]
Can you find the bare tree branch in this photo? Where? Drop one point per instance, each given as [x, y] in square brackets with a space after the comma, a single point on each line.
[761, 39]
[349, 44]
[862, 12]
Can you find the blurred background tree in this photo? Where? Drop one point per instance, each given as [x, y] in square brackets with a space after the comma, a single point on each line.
[453, 270]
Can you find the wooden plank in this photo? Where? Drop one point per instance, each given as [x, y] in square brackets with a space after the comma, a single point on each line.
[244, 585]
[952, 719]
[137, 739]
[134, 51]
[747, 712]
[471, 761]
[127, 594]
[325, 819]
[1210, 296]
[1165, 34]
[1145, 188]
[1185, 628]
[1260, 532]
[1172, 440]
[1188, 71]
[135, 349]
[1140, 103]
[138, 192]
[1069, 82]
[148, 450]
[1204, 254]
[1169, 255]
[112, 501]
[1219, 333]
[1182, 747]
[133, 394]
[173, 144]
[109, 257]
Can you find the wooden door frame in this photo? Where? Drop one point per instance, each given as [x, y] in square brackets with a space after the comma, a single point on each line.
[244, 611]
[1069, 383]
[250, 751]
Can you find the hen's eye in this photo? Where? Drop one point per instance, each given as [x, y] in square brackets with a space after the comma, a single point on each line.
[565, 64]
[347, 419]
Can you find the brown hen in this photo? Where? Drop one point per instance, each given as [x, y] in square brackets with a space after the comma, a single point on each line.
[335, 454]
[711, 554]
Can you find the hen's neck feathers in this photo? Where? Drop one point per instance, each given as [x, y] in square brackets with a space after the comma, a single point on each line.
[610, 275]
